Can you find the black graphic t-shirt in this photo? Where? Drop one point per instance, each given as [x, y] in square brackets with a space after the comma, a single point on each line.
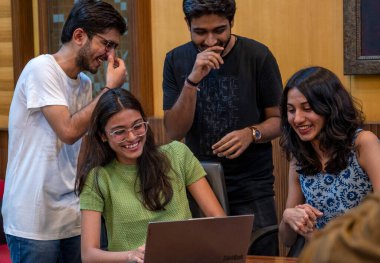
[230, 98]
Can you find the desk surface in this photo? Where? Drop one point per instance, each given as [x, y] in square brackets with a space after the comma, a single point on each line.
[265, 259]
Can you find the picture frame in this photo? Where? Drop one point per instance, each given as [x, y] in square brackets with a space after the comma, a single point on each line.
[361, 37]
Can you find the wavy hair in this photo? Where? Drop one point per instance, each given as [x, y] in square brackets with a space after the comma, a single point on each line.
[152, 165]
[197, 8]
[327, 97]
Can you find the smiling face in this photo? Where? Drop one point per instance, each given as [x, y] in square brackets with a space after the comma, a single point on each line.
[131, 146]
[304, 121]
[210, 30]
[97, 49]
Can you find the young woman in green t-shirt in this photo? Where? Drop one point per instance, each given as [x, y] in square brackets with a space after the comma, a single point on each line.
[128, 180]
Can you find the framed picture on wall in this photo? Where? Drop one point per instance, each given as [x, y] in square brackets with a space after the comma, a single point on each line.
[361, 37]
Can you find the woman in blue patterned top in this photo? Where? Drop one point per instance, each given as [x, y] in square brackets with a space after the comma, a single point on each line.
[334, 164]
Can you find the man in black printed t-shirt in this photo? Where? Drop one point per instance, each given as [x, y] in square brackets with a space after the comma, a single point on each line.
[222, 92]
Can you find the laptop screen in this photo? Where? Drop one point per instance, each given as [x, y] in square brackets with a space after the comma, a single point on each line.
[216, 239]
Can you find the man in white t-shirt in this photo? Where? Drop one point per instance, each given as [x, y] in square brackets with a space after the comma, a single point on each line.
[49, 114]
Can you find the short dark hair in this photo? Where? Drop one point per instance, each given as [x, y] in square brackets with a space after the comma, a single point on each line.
[198, 8]
[94, 17]
[327, 97]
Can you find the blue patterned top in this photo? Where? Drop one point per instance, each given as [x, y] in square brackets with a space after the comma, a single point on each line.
[335, 194]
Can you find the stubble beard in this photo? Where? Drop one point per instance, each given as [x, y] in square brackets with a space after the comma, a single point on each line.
[82, 60]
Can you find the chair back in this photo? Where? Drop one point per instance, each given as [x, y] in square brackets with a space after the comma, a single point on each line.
[215, 177]
[265, 236]
[296, 249]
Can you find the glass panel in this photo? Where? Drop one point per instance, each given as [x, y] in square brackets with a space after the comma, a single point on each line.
[58, 11]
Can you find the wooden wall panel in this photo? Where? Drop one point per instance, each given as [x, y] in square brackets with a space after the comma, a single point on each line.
[6, 54]
[5, 8]
[5, 27]
[280, 172]
[6, 78]
[157, 126]
[6, 62]
[373, 127]
[141, 53]
[168, 31]
[22, 35]
[3, 152]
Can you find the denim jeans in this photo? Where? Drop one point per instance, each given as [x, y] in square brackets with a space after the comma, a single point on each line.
[25, 250]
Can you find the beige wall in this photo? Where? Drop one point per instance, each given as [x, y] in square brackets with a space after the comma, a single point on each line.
[6, 61]
[168, 31]
[300, 33]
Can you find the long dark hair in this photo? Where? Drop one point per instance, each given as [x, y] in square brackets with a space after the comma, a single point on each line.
[152, 165]
[327, 97]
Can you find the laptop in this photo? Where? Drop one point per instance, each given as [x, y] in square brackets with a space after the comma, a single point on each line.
[198, 240]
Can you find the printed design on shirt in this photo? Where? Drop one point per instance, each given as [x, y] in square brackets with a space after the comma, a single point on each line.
[217, 111]
[335, 194]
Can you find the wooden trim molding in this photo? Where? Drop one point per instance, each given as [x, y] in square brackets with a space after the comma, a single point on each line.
[43, 31]
[22, 33]
[3, 152]
[140, 30]
[373, 127]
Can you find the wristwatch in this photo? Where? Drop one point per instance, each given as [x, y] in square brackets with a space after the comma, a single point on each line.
[256, 134]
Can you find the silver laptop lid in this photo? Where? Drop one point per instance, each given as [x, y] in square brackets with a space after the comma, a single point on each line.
[208, 240]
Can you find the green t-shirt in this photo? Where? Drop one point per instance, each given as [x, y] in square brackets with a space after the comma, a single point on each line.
[119, 202]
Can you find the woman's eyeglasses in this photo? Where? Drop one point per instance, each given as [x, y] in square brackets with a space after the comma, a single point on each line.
[121, 135]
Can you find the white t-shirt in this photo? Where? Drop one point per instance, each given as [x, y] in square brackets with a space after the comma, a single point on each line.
[39, 200]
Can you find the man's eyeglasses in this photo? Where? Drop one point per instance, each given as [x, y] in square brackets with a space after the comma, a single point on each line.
[138, 130]
[108, 44]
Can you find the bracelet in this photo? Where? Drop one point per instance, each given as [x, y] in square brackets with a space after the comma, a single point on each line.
[191, 86]
[192, 83]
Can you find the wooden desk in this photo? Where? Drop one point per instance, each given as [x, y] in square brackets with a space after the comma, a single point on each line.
[265, 259]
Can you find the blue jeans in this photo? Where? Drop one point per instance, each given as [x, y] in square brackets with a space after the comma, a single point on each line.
[25, 250]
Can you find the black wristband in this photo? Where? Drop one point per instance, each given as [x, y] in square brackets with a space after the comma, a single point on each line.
[192, 83]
